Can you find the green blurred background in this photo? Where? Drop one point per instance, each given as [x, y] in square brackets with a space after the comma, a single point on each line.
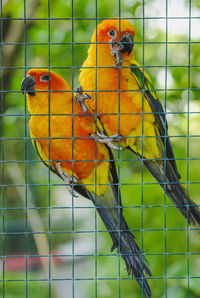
[30, 206]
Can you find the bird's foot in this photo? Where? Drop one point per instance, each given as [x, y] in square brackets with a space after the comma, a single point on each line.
[101, 138]
[116, 48]
[68, 180]
[80, 98]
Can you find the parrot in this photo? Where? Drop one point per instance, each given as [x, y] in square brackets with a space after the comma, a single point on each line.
[61, 135]
[126, 104]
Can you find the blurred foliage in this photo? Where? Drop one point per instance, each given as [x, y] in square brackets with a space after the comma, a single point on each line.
[18, 289]
[65, 58]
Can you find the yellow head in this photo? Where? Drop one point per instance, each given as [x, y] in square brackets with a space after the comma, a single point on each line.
[120, 30]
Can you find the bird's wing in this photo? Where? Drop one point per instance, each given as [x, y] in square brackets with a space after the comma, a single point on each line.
[38, 146]
[110, 211]
[146, 86]
[43, 157]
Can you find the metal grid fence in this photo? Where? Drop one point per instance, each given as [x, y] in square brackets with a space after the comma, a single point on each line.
[40, 247]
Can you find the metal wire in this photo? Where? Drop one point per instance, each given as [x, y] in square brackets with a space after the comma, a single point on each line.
[188, 143]
[165, 124]
[95, 232]
[2, 156]
[25, 159]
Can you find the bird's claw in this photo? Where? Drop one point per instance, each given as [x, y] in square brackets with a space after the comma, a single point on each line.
[116, 48]
[68, 180]
[101, 138]
[80, 98]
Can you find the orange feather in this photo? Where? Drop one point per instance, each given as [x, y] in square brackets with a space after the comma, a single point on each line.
[67, 136]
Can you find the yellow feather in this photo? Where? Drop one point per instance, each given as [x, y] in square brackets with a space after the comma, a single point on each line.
[147, 145]
[97, 182]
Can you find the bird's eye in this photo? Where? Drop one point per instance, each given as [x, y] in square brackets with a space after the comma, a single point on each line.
[112, 33]
[45, 78]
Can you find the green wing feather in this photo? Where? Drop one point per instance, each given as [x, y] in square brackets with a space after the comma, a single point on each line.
[157, 168]
[157, 109]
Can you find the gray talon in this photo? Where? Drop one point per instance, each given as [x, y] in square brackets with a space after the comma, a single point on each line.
[116, 47]
[80, 98]
[68, 180]
[101, 138]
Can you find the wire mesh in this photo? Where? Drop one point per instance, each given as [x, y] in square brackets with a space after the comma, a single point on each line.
[54, 244]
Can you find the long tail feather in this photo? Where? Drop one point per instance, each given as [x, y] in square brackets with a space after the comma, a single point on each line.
[122, 238]
[174, 189]
[125, 242]
[110, 211]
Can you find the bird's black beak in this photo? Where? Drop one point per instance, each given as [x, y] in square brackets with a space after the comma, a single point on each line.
[28, 85]
[127, 43]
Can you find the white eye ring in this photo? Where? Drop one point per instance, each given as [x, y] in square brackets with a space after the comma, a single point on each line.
[112, 33]
[45, 77]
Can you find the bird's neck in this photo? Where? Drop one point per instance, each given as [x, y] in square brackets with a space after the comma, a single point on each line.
[54, 103]
[100, 56]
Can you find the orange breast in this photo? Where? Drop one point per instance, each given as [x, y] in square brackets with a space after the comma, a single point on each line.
[73, 147]
[110, 101]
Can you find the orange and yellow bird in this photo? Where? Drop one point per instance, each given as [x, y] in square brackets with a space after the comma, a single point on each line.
[61, 134]
[126, 104]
